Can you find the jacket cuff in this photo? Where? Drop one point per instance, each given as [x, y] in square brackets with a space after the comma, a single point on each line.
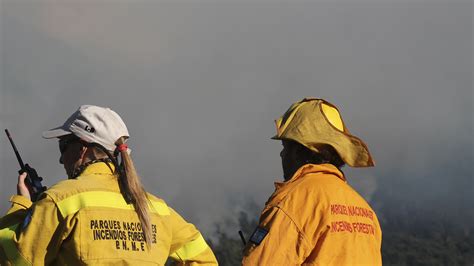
[20, 201]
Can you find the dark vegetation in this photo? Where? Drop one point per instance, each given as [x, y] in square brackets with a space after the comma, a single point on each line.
[228, 248]
[427, 237]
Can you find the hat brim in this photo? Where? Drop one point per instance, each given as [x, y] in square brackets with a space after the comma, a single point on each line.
[55, 133]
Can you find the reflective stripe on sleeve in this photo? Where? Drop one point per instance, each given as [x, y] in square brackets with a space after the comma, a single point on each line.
[8, 244]
[190, 249]
[74, 203]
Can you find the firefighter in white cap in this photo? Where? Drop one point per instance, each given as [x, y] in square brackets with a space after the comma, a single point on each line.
[101, 214]
[314, 217]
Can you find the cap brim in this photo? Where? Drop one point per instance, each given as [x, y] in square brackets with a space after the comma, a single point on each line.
[55, 133]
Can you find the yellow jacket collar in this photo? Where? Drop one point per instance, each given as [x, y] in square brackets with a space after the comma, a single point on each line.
[100, 168]
[312, 168]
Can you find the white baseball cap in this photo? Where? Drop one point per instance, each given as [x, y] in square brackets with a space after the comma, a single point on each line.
[93, 124]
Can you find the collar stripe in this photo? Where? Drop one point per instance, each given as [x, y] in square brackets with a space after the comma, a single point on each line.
[75, 203]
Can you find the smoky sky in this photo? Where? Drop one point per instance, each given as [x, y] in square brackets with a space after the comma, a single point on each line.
[199, 84]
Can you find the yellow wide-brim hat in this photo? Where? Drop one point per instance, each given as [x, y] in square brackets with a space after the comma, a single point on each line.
[315, 122]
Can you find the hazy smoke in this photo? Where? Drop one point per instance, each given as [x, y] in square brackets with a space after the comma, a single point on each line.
[199, 85]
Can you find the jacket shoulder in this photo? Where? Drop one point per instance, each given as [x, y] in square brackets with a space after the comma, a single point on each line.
[154, 199]
[313, 190]
[314, 183]
[63, 189]
[70, 187]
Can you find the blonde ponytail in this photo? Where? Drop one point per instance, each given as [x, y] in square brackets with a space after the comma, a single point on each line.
[134, 188]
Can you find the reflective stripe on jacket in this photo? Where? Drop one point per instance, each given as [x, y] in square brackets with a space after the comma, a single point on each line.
[315, 218]
[87, 221]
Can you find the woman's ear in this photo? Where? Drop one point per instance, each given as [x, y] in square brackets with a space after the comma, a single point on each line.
[83, 152]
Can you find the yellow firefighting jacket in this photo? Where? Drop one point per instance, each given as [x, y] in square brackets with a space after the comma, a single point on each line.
[315, 218]
[86, 221]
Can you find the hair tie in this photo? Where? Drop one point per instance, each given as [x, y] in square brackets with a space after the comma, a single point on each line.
[122, 147]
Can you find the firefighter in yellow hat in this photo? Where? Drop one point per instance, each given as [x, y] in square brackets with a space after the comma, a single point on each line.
[101, 215]
[314, 217]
